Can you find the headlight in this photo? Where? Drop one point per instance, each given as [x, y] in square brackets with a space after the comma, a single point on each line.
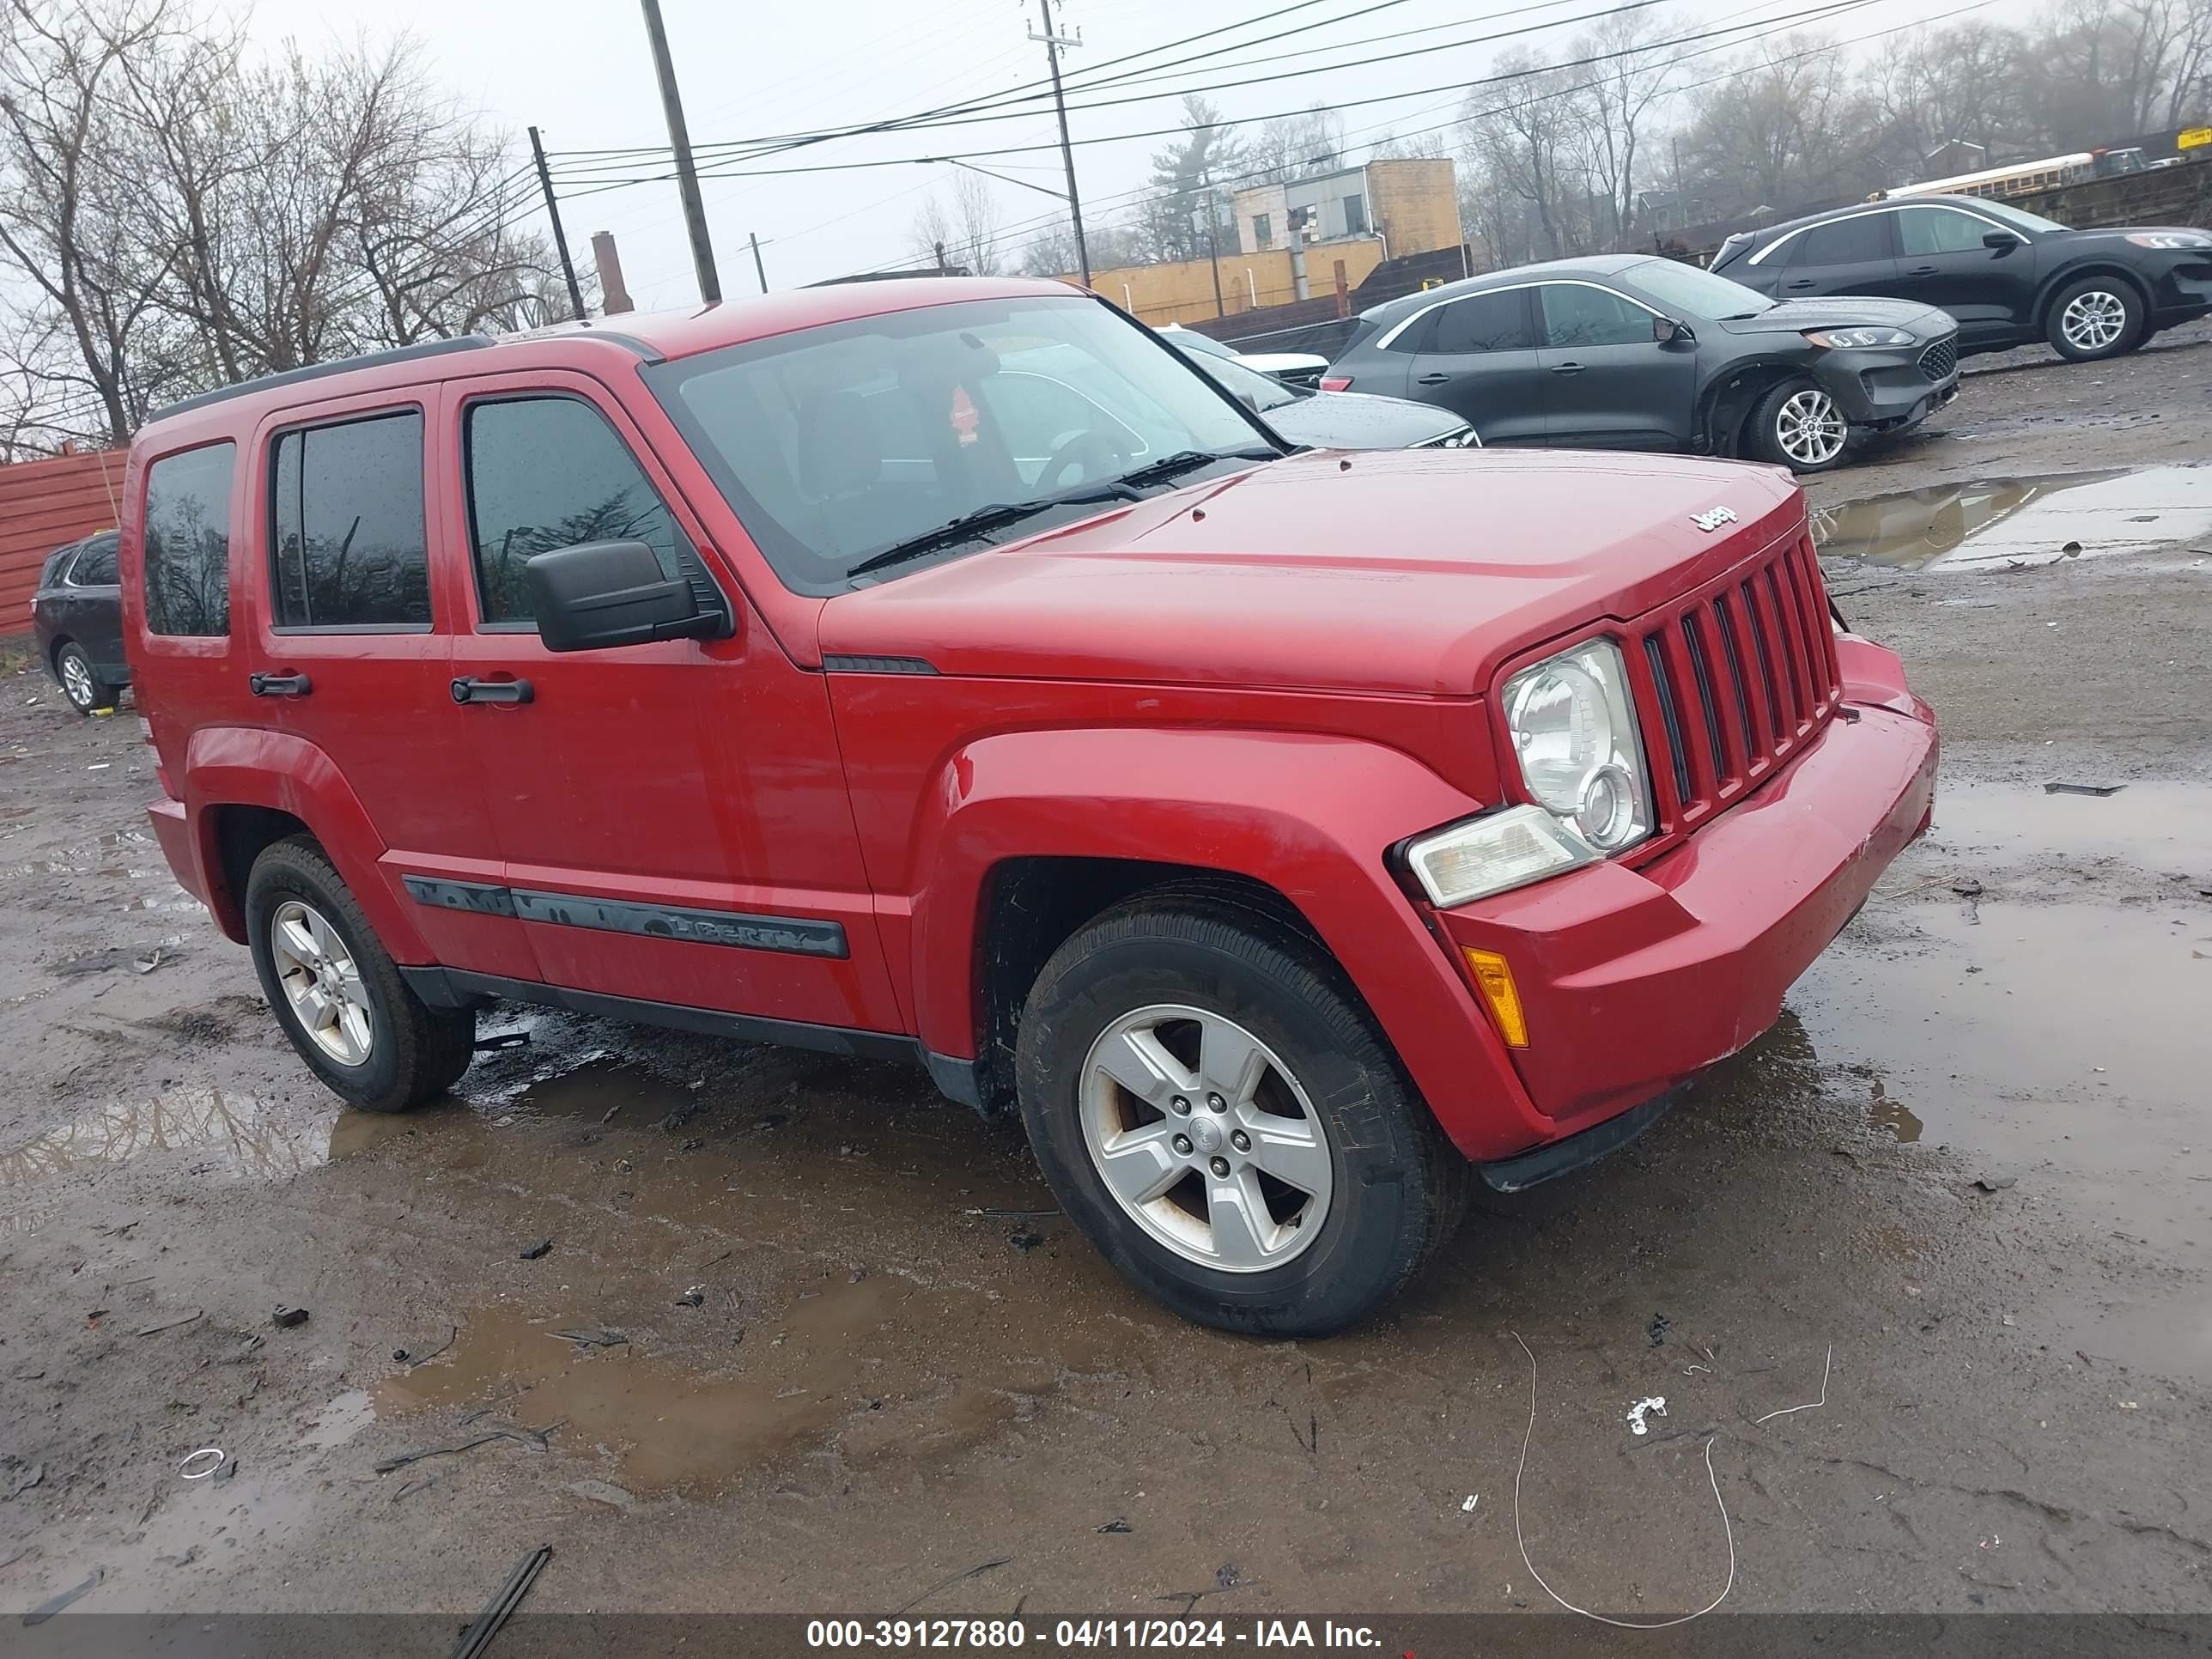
[2170, 239]
[1845, 339]
[1574, 730]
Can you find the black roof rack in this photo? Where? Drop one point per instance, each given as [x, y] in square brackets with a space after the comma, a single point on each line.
[317, 371]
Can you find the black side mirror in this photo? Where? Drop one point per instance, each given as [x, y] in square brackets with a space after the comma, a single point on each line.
[599, 594]
[2001, 240]
[1667, 331]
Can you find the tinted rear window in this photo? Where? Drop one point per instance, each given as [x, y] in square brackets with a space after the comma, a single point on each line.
[1484, 322]
[187, 566]
[95, 565]
[1845, 242]
[346, 528]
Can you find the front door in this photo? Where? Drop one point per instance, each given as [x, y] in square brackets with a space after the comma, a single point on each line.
[352, 651]
[1477, 357]
[1608, 383]
[1942, 261]
[673, 816]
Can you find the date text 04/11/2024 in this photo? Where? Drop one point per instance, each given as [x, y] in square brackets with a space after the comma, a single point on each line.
[1075, 1635]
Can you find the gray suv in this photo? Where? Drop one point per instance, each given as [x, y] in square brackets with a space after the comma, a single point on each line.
[1629, 351]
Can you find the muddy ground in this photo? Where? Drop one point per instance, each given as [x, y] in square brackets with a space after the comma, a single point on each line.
[1968, 1178]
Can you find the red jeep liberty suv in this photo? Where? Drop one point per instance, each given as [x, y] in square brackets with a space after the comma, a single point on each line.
[946, 668]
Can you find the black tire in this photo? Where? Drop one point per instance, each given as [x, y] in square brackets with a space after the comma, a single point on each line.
[1765, 434]
[1399, 1189]
[94, 692]
[415, 1053]
[2112, 290]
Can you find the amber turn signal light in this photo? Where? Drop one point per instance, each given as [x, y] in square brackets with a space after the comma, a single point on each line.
[1495, 981]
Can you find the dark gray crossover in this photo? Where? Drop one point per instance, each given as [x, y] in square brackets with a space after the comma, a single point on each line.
[2009, 277]
[1628, 351]
[77, 613]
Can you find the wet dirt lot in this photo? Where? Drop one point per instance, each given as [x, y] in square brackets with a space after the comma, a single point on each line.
[807, 1339]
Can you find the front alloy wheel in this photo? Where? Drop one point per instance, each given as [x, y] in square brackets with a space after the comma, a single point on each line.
[1215, 1110]
[1809, 429]
[2095, 318]
[1205, 1139]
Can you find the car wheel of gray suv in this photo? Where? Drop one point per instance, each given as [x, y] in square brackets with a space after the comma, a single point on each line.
[1797, 425]
[1215, 1112]
[337, 992]
[2097, 317]
[84, 689]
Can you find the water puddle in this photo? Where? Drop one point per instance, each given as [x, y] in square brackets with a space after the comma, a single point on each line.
[2160, 828]
[233, 1133]
[852, 1362]
[1999, 523]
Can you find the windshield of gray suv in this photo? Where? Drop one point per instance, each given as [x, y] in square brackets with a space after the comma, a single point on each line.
[851, 448]
[1687, 291]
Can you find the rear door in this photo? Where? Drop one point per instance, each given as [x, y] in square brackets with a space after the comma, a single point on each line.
[673, 816]
[1854, 255]
[356, 651]
[191, 615]
[1942, 261]
[1477, 357]
[1608, 383]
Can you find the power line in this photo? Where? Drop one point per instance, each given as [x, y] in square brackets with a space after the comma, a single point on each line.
[1778, 26]
[1825, 9]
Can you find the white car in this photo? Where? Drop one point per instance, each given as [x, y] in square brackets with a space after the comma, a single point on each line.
[1299, 368]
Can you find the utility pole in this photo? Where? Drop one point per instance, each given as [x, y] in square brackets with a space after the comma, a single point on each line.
[1213, 250]
[759, 270]
[679, 140]
[560, 237]
[1052, 42]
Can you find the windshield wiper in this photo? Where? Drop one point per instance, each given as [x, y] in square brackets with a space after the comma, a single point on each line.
[991, 516]
[1189, 460]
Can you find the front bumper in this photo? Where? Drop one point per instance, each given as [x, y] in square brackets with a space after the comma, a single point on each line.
[1888, 390]
[1632, 979]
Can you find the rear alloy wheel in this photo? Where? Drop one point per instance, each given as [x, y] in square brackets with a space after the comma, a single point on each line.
[2095, 318]
[80, 684]
[336, 992]
[1215, 1110]
[1799, 426]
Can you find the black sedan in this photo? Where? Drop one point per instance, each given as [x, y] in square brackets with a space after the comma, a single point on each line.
[1338, 420]
[2011, 279]
[1627, 351]
[77, 615]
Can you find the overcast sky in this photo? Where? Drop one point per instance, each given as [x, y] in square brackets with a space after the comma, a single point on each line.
[580, 71]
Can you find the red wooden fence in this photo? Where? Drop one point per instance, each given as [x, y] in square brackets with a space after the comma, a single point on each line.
[44, 504]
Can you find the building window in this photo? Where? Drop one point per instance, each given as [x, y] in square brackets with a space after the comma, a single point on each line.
[1263, 229]
[1355, 215]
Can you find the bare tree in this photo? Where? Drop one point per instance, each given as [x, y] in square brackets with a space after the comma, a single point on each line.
[1295, 146]
[1615, 110]
[963, 233]
[180, 217]
[1521, 136]
[67, 205]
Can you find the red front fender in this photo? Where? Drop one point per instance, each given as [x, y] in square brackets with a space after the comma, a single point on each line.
[1309, 816]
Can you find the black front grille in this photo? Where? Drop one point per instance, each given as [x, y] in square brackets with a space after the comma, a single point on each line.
[1939, 359]
[1743, 674]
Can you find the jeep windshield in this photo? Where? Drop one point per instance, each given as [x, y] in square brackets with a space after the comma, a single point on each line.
[858, 450]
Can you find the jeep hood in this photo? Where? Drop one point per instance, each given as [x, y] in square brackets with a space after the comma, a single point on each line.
[1846, 311]
[1411, 573]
